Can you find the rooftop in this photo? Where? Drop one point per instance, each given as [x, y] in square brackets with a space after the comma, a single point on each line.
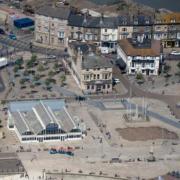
[97, 22]
[146, 48]
[140, 49]
[54, 12]
[92, 61]
[36, 116]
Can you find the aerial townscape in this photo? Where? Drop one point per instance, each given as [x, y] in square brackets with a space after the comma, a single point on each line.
[89, 89]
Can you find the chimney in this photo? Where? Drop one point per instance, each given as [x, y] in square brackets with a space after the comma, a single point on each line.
[101, 19]
[79, 58]
[54, 4]
[85, 18]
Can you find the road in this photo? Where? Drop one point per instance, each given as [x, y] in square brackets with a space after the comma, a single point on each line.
[171, 100]
[136, 91]
[25, 46]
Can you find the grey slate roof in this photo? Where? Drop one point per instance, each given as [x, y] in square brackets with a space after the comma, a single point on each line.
[36, 115]
[93, 22]
[66, 124]
[92, 61]
[54, 12]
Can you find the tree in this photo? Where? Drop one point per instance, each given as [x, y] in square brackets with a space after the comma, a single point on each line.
[37, 77]
[56, 66]
[139, 76]
[63, 79]
[3, 102]
[47, 82]
[22, 81]
[26, 73]
[32, 62]
[40, 68]
[16, 68]
[51, 74]
[167, 68]
[19, 61]
[33, 58]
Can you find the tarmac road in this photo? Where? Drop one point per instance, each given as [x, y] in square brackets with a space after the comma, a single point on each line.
[25, 46]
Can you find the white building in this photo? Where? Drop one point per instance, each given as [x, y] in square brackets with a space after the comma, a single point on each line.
[142, 58]
[108, 33]
[46, 120]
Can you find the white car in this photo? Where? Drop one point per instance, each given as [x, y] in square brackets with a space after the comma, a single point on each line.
[116, 80]
[51, 57]
[175, 53]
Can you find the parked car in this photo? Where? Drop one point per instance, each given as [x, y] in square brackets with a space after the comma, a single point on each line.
[176, 53]
[2, 31]
[51, 57]
[12, 36]
[116, 80]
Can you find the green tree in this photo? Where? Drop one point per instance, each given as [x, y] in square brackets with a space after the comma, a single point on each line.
[40, 68]
[19, 61]
[16, 68]
[3, 102]
[37, 77]
[22, 81]
[139, 76]
[56, 66]
[62, 79]
[33, 58]
[167, 68]
[31, 63]
[51, 74]
[47, 82]
[26, 73]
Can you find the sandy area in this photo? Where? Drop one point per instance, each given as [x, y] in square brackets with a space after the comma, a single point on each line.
[146, 133]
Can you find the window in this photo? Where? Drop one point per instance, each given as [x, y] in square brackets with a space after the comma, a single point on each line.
[105, 30]
[104, 86]
[92, 87]
[152, 65]
[61, 34]
[98, 76]
[124, 29]
[88, 87]
[94, 76]
[106, 76]
[52, 24]
[108, 86]
[52, 40]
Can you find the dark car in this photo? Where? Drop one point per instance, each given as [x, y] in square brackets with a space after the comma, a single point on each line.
[2, 31]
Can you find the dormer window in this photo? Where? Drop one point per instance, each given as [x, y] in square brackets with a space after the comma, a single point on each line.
[147, 21]
[136, 21]
[173, 20]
